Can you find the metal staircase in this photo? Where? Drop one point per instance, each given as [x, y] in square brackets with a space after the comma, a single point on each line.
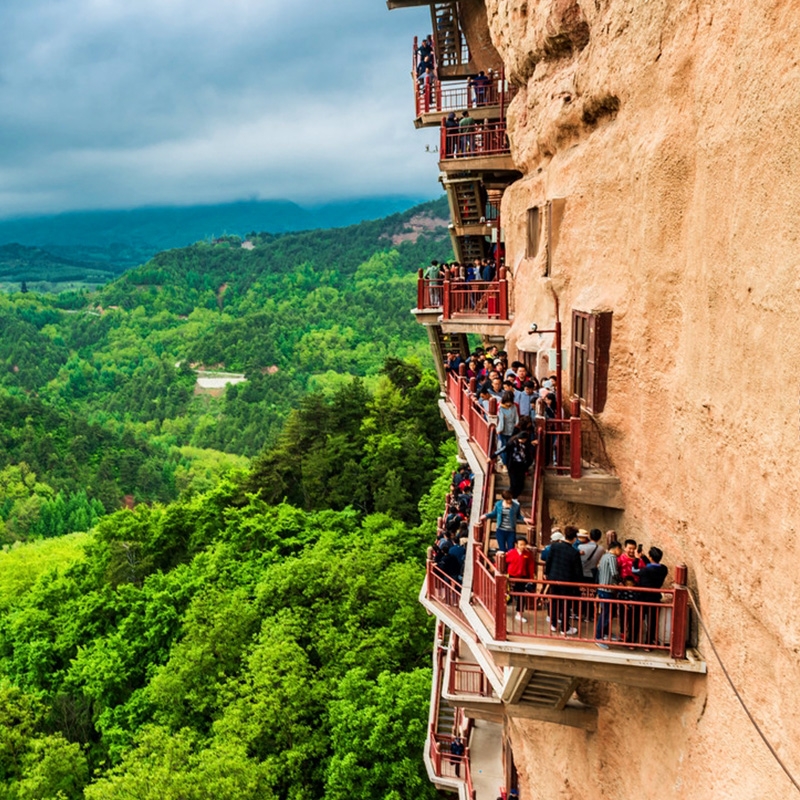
[548, 689]
[468, 202]
[447, 35]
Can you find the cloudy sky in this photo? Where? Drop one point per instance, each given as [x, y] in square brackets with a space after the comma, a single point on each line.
[123, 103]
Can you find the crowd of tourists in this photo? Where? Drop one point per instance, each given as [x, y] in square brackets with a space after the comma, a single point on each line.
[520, 397]
[481, 269]
[449, 552]
[620, 570]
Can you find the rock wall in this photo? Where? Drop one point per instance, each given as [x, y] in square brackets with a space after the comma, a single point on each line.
[672, 130]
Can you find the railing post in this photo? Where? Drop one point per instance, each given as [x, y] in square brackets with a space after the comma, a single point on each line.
[428, 580]
[477, 533]
[503, 287]
[420, 289]
[500, 585]
[493, 407]
[443, 142]
[680, 613]
[438, 95]
[575, 438]
[473, 386]
[446, 295]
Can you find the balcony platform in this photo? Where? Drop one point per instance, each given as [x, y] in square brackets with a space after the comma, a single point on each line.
[393, 4]
[492, 163]
[433, 118]
[595, 487]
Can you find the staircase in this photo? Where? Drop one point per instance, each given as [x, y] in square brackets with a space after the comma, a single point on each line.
[447, 342]
[467, 202]
[548, 689]
[468, 248]
[447, 35]
[499, 484]
[446, 721]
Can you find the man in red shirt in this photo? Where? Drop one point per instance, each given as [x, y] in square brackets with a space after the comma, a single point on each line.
[521, 570]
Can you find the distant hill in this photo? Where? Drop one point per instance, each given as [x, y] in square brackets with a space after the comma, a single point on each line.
[33, 265]
[115, 240]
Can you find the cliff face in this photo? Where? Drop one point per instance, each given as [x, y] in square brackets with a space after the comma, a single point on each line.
[672, 130]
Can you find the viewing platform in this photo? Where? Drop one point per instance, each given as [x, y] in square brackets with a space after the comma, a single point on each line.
[464, 306]
[484, 100]
[482, 147]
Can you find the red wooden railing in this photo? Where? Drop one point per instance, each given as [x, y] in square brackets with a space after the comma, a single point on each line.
[468, 679]
[474, 141]
[644, 623]
[429, 292]
[458, 299]
[442, 589]
[447, 765]
[470, 413]
[475, 298]
[655, 619]
[437, 96]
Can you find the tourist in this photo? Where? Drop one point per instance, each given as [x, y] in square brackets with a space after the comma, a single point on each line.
[608, 575]
[563, 565]
[466, 126]
[651, 574]
[507, 420]
[630, 618]
[555, 536]
[506, 513]
[434, 274]
[521, 570]
[525, 398]
[591, 552]
[457, 750]
[480, 84]
[627, 559]
[459, 552]
[425, 49]
[487, 271]
[451, 134]
[496, 388]
[520, 454]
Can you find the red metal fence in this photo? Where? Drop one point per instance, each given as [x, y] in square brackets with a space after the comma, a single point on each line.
[470, 413]
[446, 764]
[468, 679]
[633, 617]
[459, 299]
[474, 141]
[437, 96]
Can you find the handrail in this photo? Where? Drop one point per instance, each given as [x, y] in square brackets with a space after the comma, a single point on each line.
[458, 298]
[441, 588]
[655, 619]
[436, 96]
[474, 141]
[470, 413]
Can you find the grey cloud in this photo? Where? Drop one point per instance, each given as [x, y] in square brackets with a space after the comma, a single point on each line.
[110, 103]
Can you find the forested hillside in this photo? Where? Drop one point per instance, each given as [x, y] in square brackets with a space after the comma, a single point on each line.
[236, 617]
[99, 391]
[232, 646]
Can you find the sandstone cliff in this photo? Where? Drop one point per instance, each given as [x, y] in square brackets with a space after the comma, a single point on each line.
[672, 130]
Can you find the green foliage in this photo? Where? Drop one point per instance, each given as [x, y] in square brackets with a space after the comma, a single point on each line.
[22, 564]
